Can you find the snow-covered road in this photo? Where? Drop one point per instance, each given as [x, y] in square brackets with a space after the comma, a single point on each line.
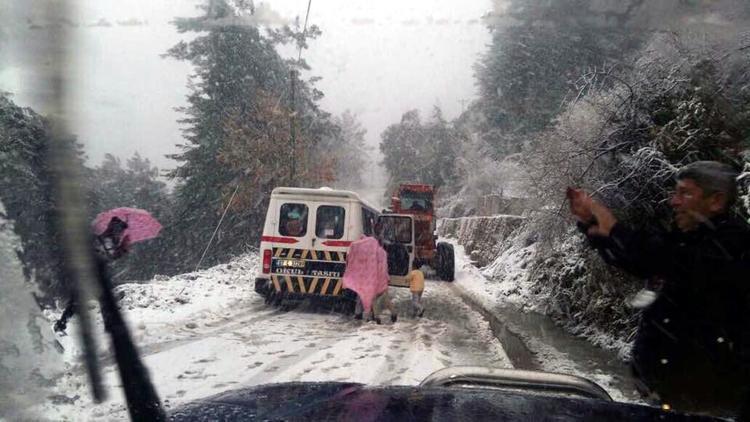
[206, 332]
[220, 335]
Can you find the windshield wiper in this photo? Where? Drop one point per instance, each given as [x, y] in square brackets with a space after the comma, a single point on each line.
[87, 276]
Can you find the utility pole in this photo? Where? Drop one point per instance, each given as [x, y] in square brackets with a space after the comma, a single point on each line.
[293, 128]
[293, 116]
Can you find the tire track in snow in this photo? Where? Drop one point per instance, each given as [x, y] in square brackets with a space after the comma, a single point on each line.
[285, 364]
[227, 326]
[191, 336]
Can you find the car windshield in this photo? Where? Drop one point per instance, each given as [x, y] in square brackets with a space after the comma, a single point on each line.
[418, 201]
[293, 220]
[212, 195]
[329, 222]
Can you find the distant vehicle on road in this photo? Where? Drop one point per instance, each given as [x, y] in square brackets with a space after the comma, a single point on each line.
[306, 237]
[418, 200]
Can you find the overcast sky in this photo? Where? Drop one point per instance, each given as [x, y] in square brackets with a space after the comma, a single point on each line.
[376, 58]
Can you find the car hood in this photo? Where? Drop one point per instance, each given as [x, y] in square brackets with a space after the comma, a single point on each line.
[349, 401]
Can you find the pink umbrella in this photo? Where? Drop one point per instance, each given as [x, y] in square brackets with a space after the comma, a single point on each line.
[366, 270]
[141, 224]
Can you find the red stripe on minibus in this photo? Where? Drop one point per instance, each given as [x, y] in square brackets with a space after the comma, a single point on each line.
[278, 239]
[337, 243]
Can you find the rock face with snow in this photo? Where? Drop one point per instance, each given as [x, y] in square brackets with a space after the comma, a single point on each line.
[482, 237]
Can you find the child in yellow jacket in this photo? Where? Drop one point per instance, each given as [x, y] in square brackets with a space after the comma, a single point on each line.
[416, 286]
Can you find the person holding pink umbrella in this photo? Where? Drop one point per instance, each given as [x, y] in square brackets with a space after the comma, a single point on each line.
[112, 243]
[139, 225]
[112, 238]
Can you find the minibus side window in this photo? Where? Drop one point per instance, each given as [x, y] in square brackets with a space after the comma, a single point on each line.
[329, 223]
[293, 220]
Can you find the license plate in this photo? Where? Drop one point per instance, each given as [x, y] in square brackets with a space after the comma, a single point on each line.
[291, 263]
[300, 267]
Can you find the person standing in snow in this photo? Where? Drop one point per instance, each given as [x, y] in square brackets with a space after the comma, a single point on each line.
[383, 301]
[415, 278]
[109, 246]
[112, 244]
[692, 349]
[366, 274]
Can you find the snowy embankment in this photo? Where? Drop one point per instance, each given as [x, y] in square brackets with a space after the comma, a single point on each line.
[29, 356]
[494, 261]
[507, 257]
[480, 235]
[501, 276]
[166, 306]
[554, 350]
[162, 314]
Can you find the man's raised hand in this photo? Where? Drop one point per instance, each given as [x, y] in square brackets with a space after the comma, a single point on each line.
[580, 205]
[588, 211]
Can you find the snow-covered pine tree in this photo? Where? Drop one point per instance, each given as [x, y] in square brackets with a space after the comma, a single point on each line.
[539, 51]
[237, 128]
[25, 190]
[420, 152]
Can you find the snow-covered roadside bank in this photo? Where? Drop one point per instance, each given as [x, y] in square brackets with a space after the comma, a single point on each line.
[160, 314]
[29, 357]
[511, 301]
[563, 280]
[163, 308]
[506, 281]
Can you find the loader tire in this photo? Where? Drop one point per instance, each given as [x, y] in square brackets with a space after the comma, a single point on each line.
[446, 262]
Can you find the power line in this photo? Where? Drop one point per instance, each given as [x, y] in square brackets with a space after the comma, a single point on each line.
[200, 261]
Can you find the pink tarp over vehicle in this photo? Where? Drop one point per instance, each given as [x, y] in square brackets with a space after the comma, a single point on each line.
[366, 270]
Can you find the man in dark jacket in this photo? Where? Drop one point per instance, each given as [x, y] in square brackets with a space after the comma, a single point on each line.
[692, 347]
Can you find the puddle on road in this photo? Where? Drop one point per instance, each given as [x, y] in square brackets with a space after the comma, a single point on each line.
[518, 332]
[519, 354]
